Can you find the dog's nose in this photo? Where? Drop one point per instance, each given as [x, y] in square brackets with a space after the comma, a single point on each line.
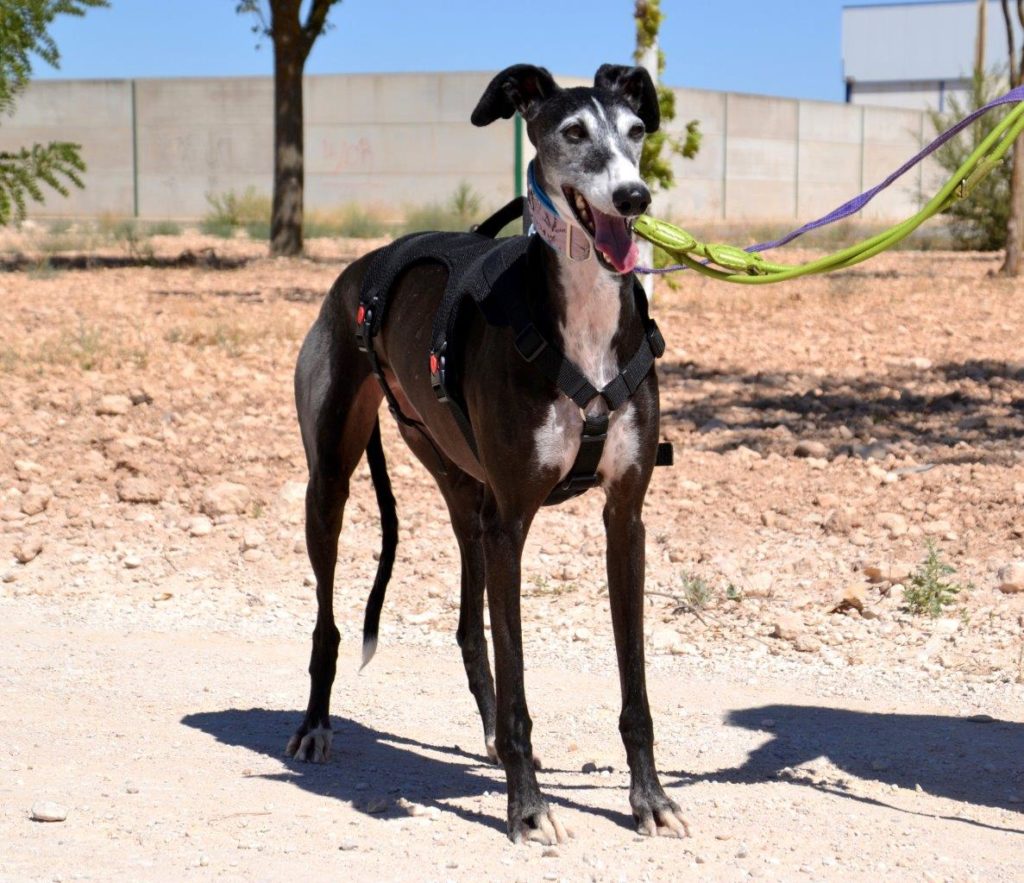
[632, 199]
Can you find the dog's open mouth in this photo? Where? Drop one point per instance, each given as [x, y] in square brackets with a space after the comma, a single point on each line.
[612, 234]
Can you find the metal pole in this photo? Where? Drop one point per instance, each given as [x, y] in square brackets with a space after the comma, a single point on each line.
[796, 167]
[725, 155]
[135, 155]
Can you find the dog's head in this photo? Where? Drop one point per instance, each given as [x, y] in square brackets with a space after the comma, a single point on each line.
[588, 144]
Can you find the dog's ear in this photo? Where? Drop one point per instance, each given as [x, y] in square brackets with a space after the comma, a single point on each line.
[636, 87]
[522, 87]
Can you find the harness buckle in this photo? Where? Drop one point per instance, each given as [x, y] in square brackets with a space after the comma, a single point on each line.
[364, 328]
[529, 343]
[437, 373]
[595, 428]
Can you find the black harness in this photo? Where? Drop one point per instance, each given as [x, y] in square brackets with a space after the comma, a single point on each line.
[492, 274]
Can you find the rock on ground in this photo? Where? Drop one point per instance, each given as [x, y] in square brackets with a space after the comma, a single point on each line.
[1011, 578]
[28, 549]
[114, 405]
[136, 489]
[226, 498]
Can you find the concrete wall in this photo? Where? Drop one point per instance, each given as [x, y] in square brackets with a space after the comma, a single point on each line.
[96, 114]
[765, 158]
[156, 148]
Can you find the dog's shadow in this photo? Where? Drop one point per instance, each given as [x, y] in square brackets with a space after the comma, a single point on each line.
[370, 768]
[976, 761]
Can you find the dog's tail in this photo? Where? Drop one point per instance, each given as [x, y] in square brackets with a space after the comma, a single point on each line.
[389, 541]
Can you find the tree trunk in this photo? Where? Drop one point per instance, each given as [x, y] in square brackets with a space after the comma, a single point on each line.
[286, 217]
[1015, 224]
[979, 44]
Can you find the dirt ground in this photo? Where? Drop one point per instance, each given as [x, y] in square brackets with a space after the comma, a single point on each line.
[156, 600]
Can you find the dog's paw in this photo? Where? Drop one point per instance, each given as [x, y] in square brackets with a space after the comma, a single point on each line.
[542, 827]
[660, 815]
[314, 745]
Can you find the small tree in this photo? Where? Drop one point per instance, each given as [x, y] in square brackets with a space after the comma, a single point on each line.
[292, 39]
[981, 221]
[24, 32]
[1014, 236]
[655, 168]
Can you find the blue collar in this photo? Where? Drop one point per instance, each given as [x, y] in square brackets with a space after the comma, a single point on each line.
[545, 200]
[545, 221]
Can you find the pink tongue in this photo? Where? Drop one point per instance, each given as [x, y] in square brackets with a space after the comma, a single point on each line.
[614, 241]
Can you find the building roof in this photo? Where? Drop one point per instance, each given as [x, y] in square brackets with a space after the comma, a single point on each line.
[908, 42]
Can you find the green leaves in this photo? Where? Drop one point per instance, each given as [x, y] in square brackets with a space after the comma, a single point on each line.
[979, 222]
[656, 168]
[928, 590]
[56, 165]
[23, 33]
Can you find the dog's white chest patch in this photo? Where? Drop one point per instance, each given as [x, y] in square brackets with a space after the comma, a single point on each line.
[557, 441]
[592, 318]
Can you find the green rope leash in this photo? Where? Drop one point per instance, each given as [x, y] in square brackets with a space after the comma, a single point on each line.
[728, 263]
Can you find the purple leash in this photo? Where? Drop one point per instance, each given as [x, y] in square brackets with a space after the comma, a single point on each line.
[858, 202]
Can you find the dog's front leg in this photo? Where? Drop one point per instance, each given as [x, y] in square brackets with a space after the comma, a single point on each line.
[529, 815]
[652, 808]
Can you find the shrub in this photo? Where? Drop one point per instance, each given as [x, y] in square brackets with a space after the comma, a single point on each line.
[230, 211]
[460, 212]
[163, 228]
[928, 591]
[977, 222]
[351, 221]
[696, 591]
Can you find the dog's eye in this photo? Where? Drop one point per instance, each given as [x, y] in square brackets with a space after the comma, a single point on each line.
[575, 132]
[637, 131]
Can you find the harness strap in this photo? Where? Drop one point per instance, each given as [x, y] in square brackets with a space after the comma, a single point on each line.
[492, 226]
[561, 371]
[369, 319]
[505, 305]
[457, 411]
[567, 377]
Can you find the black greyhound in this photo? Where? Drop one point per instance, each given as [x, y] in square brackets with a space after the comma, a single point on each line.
[585, 190]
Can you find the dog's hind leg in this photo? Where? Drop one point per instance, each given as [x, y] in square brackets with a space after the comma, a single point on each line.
[338, 415]
[464, 496]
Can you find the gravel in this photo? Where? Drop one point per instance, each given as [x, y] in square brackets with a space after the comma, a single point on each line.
[155, 611]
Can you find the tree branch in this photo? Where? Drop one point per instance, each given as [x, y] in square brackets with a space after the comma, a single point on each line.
[255, 7]
[1005, 5]
[57, 165]
[1020, 63]
[1011, 40]
[316, 22]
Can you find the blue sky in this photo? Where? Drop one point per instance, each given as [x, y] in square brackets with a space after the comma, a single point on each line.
[786, 47]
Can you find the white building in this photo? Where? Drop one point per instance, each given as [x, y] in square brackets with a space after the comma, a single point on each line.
[916, 54]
